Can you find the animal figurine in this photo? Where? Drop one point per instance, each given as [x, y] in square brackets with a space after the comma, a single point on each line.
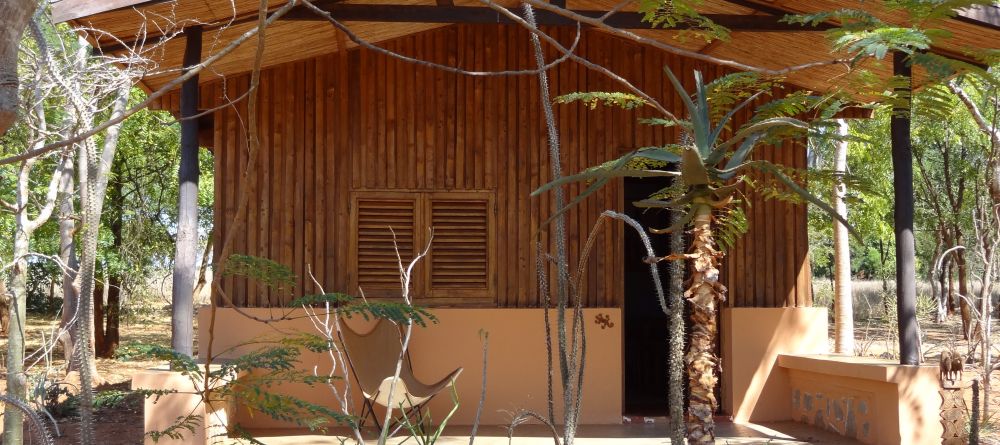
[951, 366]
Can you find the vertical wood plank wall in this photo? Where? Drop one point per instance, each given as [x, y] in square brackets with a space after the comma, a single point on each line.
[357, 120]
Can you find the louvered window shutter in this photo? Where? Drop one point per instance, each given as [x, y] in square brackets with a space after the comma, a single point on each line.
[376, 217]
[461, 252]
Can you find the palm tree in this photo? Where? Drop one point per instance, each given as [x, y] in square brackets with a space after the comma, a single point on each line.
[709, 172]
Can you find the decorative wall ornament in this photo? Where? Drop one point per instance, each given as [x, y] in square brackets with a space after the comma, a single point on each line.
[603, 320]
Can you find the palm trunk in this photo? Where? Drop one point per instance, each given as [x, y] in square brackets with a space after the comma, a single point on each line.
[704, 293]
[843, 296]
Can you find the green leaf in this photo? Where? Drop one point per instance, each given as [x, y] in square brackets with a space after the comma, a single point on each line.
[798, 190]
[624, 101]
[693, 169]
[760, 127]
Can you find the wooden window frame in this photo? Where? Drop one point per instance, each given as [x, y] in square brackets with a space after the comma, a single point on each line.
[421, 290]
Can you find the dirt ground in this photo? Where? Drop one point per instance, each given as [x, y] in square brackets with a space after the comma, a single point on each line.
[120, 422]
[877, 339]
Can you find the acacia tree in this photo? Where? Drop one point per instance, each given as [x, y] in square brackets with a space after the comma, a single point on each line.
[35, 133]
[945, 157]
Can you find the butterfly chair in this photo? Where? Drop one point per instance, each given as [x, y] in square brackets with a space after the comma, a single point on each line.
[373, 358]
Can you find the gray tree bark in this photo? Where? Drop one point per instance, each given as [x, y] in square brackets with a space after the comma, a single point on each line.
[185, 258]
[67, 255]
[14, 17]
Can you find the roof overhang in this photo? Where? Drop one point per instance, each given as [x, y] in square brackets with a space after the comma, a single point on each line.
[759, 37]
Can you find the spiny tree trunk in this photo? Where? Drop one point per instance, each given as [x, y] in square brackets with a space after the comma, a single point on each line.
[675, 392]
[843, 296]
[14, 17]
[93, 184]
[704, 293]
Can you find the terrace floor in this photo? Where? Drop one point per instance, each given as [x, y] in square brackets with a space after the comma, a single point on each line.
[627, 434]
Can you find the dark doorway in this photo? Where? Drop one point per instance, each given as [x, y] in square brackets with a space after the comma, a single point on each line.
[645, 332]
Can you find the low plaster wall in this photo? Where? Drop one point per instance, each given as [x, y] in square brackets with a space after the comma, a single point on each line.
[753, 388]
[163, 412]
[874, 401]
[516, 363]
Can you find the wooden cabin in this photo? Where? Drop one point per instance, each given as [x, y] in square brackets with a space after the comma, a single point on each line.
[354, 142]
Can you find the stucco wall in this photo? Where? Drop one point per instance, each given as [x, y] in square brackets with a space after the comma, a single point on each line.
[753, 388]
[875, 401]
[162, 413]
[516, 362]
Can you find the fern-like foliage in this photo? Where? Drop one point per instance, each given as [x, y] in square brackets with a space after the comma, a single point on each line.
[176, 431]
[730, 224]
[609, 99]
[272, 274]
[682, 14]
[349, 306]
[261, 371]
[924, 10]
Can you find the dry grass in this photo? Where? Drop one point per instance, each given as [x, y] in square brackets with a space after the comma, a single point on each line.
[876, 335]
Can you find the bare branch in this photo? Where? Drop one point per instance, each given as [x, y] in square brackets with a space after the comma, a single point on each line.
[156, 94]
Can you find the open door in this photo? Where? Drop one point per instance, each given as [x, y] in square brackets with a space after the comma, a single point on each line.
[645, 331]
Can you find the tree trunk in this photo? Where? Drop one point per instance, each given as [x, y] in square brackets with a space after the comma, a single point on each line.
[99, 292]
[4, 309]
[843, 296]
[963, 296]
[704, 293]
[675, 366]
[14, 17]
[951, 286]
[113, 289]
[67, 254]
[16, 379]
[111, 335]
[185, 256]
[206, 257]
[942, 291]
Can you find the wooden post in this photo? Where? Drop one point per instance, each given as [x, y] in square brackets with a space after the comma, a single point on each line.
[902, 166]
[182, 328]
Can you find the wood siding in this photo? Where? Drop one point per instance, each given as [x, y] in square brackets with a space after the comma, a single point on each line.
[338, 126]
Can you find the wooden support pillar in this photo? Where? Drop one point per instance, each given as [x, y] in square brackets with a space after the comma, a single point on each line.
[902, 167]
[185, 258]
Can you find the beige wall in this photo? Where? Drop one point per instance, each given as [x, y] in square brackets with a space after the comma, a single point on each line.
[753, 388]
[162, 413]
[516, 362]
[875, 401]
